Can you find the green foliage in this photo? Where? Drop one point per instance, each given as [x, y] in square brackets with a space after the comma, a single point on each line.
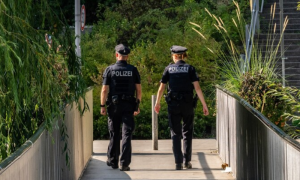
[36, 80]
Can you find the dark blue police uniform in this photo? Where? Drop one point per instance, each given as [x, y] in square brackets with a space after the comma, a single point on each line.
[180, 77]
[121, 78]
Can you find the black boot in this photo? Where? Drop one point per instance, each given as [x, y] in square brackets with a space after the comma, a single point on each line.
[188, 165]
[179, 166]
[125, 168]
[114, 166]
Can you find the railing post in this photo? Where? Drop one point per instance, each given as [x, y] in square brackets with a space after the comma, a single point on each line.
[282, 42]
[154, 125]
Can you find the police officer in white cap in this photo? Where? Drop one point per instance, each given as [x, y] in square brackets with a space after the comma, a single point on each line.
[183, 80]
[121, 92]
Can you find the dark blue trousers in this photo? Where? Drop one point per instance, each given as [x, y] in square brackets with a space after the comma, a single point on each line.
[181, 122]
[120, 114]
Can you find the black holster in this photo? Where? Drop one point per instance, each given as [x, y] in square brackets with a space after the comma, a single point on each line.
[167, 98]
[115, 99]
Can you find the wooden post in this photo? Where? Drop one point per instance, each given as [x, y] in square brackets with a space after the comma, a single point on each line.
[154, 125]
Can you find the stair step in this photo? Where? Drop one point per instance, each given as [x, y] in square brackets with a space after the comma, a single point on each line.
[289, 64]
[284, 1]
[293, 83]
[293, 77]
[286, 35]
[294, 20]
[290, 71]
[287, 42]
[286, 4]
[290, 59]
[287, 54]
[277, 9]
[288, 48]
[290, 27]
[290, 14]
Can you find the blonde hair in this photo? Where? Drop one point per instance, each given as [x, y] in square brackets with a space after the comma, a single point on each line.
[180, 56]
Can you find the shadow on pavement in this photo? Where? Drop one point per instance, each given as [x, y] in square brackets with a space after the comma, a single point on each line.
[204, 165]
[98, 170]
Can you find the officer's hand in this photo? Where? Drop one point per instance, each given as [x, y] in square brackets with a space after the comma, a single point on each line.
[103, 111]
[136, 112]
[157, 108]
[205, 110]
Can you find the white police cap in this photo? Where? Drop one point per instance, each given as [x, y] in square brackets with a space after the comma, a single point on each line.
[178, 49]
[122, 49]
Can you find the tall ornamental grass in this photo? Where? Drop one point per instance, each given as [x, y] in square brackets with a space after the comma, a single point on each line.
[36, 78]
[260, 84]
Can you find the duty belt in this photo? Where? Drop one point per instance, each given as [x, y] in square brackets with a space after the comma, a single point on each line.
[179, 95]
[121, 97]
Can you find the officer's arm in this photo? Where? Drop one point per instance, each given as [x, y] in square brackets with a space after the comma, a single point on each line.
[201, 97]
[138, 91]
[160, 92]
[104, 93]
[159, 95]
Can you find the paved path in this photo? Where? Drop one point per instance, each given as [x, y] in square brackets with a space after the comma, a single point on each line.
[148, 164]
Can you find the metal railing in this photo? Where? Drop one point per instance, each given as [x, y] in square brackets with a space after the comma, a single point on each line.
[251, 145]
[41, 158]
[250, 31]
[282, 47]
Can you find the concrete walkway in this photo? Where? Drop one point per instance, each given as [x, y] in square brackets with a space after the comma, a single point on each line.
[149, 164]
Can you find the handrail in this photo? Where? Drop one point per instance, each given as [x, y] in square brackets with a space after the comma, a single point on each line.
[27, 145]
[262, 118]
[262, 6]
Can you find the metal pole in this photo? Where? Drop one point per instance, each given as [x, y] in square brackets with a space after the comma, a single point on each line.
[282, 42]
[154, 125]
[257, 19]
[250, 37]
[77, 28]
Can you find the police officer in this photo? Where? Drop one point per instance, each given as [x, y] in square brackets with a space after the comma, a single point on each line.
[121, 81]
[182, 79]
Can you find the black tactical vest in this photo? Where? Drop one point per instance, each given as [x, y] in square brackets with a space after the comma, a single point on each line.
[122, 79]
[180, 79]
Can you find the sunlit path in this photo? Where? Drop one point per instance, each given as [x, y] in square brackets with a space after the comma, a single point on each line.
[150, 164]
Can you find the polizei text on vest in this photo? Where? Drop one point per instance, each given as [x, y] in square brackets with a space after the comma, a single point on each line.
[122, 73]
[178, 69]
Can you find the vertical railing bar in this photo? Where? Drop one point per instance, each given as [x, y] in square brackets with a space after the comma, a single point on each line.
[282, 42]
[262, 6]
[154, 125]
[250, 38]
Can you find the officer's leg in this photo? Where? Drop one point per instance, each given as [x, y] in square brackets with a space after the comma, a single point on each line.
[187, 132]
[127, 130]
[175, 127]
[113, 151]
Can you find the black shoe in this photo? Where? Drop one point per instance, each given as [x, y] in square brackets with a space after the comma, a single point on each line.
[125, 168]
[179, 166]
[188, 165]
[112, 165]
